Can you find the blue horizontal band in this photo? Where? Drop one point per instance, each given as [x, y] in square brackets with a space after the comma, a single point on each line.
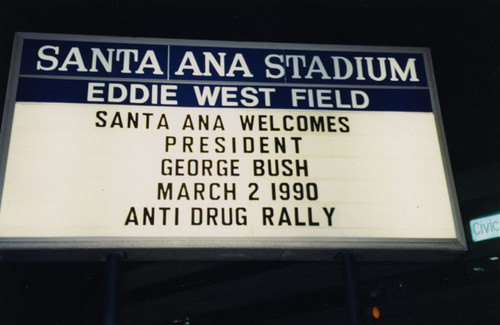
[227, 64]
[232, 96]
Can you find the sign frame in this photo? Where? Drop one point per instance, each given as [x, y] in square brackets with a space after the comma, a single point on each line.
[241, 247]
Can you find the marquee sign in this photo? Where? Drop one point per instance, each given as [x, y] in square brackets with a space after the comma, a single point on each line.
[121, 142]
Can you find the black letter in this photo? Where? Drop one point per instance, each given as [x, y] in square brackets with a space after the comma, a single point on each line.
[267, 215]
[132, 217]
[343, 121]
[103, 121]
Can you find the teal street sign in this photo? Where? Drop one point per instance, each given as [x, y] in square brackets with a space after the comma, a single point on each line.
[485, 228]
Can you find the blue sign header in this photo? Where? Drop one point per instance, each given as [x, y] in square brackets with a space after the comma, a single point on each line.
[192, 95]
[222, 76]
[229, 64]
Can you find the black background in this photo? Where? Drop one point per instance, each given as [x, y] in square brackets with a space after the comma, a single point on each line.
[464, 39]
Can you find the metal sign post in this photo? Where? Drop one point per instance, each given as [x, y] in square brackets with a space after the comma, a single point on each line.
[112, 289]
[351, 287]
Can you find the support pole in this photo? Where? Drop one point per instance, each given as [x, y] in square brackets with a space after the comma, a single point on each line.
[112, 286]
[350, 280]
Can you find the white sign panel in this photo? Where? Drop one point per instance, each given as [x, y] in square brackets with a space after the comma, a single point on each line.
[121, 142]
